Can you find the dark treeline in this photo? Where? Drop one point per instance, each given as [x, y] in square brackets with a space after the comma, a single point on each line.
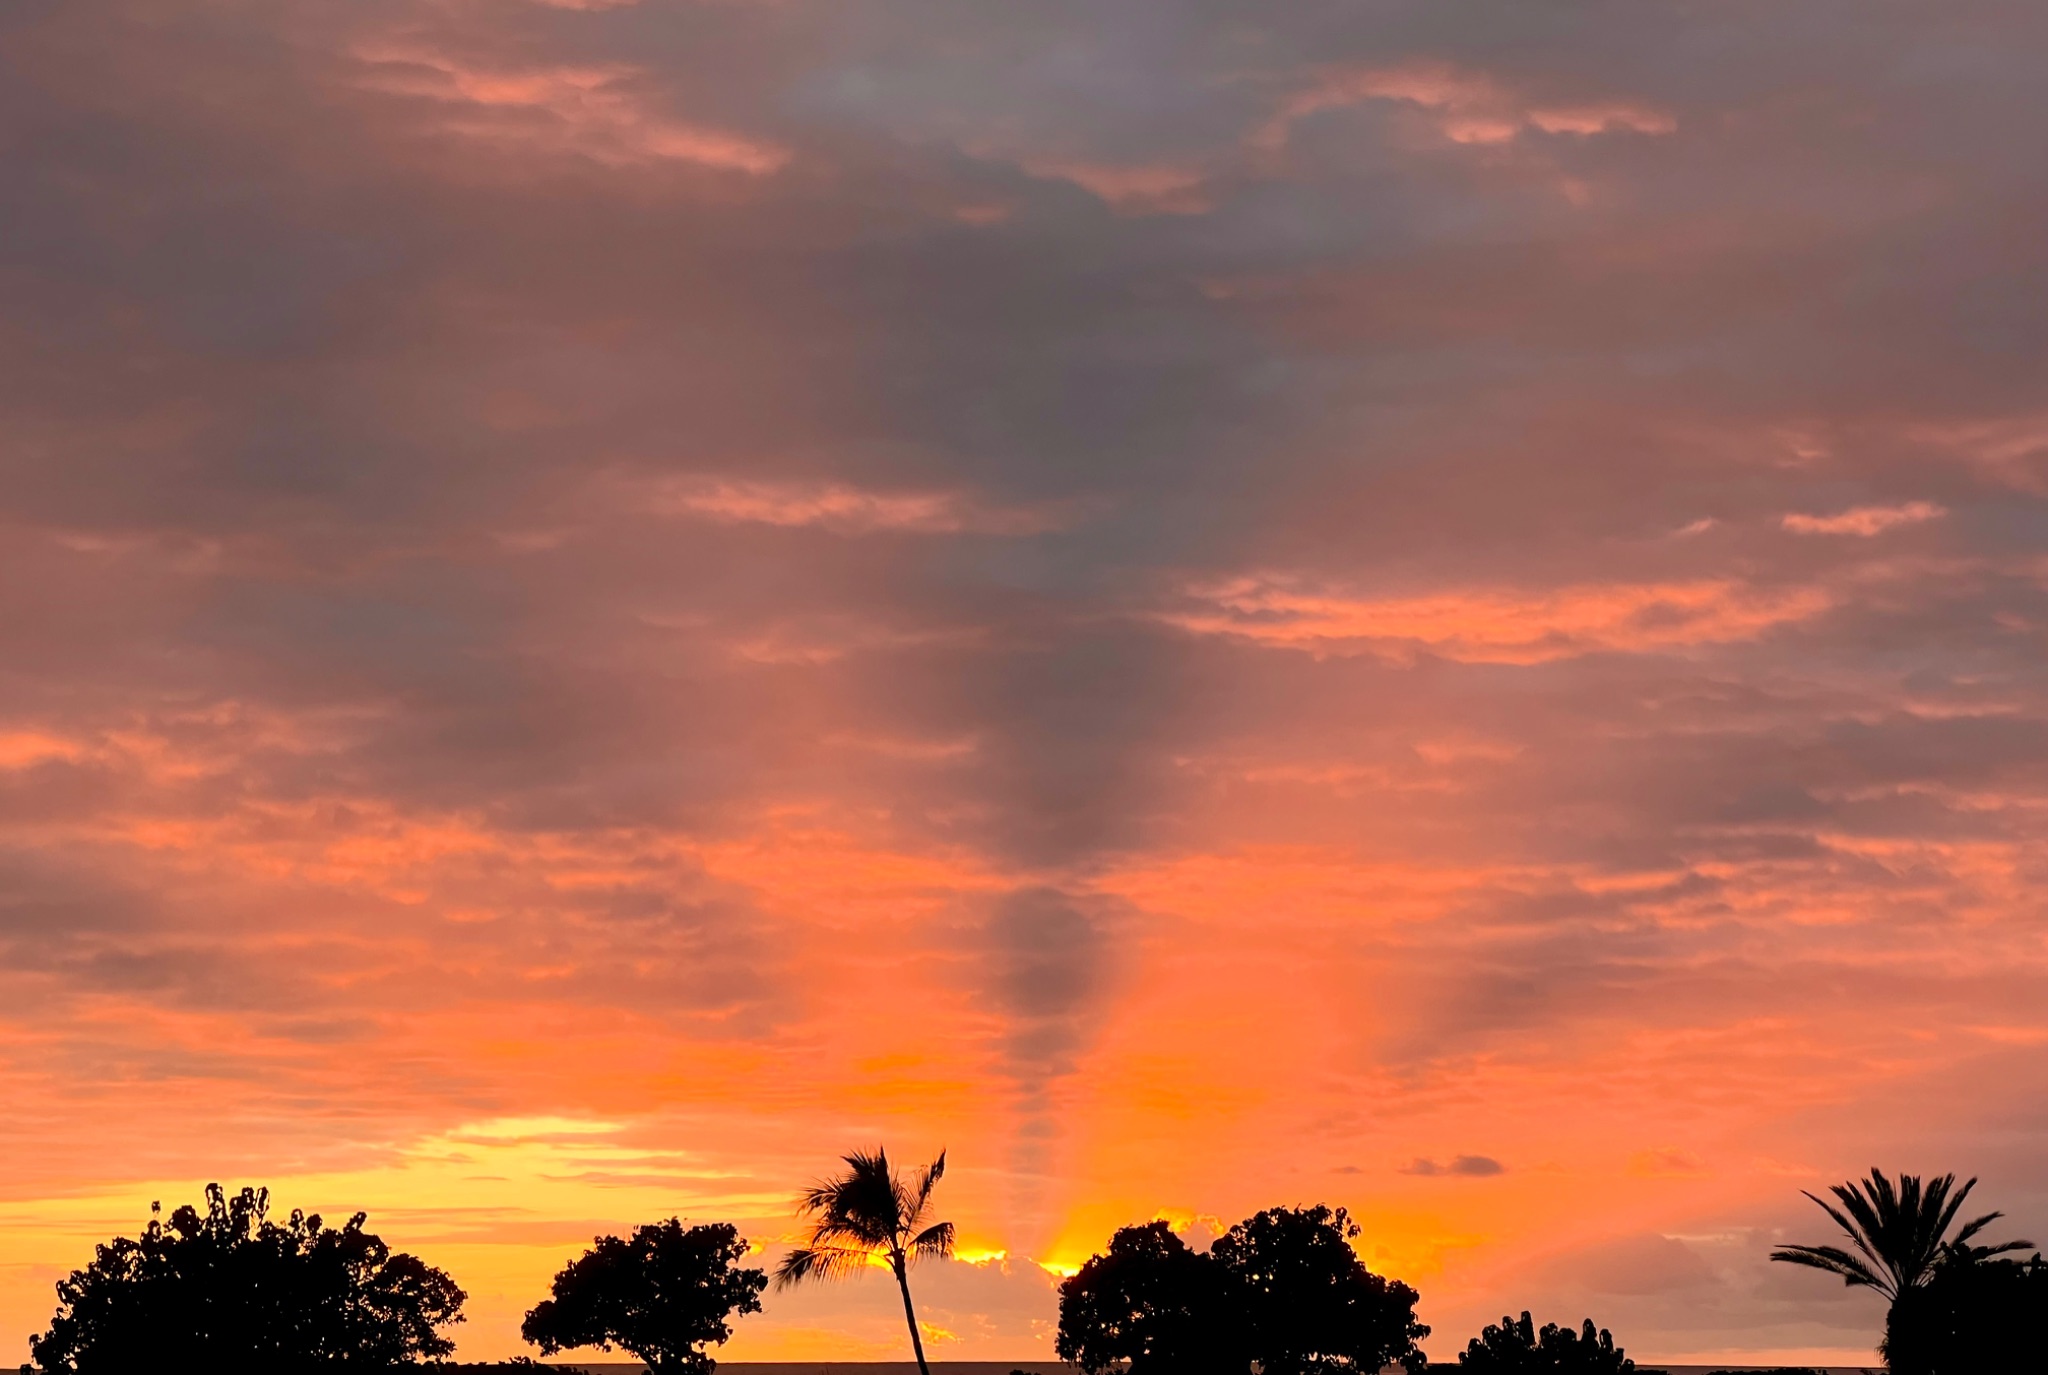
[1283, 1292]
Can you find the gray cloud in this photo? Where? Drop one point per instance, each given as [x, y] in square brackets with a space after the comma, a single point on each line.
[1463, 1166]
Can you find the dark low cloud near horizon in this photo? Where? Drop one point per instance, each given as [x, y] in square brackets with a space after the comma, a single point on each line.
[1109, 588]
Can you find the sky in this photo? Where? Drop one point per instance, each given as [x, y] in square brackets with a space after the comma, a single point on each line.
[1207, 604]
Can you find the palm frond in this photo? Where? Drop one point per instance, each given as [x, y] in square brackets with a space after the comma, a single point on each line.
[933, 1173]
[1975, 1225]
[1937, 1190]
[820, 1263]
[933, 1241]
[1899, 1228]
[861, 1206]
[852, 1230]
[1971, 1255]
[869, 1209]
[1832, 1259]
[1859, 1231]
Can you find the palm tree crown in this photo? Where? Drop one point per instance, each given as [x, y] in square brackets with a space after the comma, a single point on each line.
[1899, 1231]
[870, 1213]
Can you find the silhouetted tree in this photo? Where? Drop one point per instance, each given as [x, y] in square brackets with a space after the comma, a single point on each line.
[1975, 1315]
[662, 1294]
[230, 1290]
[1901, 1234]
[1151, 1302]
[1509, 1347]
[1307, 1304]
[870, 1213]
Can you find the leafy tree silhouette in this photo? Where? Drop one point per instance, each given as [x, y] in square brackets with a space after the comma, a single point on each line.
[1975, 1315]
[1308, 1304]
[868, 1213]
[662, 1294]
[230, 1290]
[1510, 1346]
[1151, 1303]
[1901, 1233]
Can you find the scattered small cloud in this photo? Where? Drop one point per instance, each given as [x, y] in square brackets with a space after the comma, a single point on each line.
[1140, 189]
[1463, 1166]
[983, 213]
[1864, 521]
[1495, 625]
[840, 507]
[1465, 106]
[606, 112]
[1665, 1163]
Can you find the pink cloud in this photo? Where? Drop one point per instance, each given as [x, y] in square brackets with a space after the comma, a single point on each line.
[1466, 106]
[600, 111]
[1135, 189]
[2011, 450]
[1864, 521]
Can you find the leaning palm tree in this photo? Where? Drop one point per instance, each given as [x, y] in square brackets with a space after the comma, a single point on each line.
[870, 1213]
[1900, 1231]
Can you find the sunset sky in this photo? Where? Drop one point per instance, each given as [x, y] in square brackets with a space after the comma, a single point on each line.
[1433, 605]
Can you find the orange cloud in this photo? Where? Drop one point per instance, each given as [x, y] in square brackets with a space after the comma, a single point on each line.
[1864, 520]
[604, 112]
[845, 509]
[1496, 625]
[24, 749]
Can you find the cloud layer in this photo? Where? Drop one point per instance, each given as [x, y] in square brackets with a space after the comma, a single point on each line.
[1206, 605]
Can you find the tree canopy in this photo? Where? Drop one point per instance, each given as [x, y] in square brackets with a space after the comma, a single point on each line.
[1310, 1306]
[663, 1294]
[1972, 1315]
[1151, 1302]
[1510, 1347]
[1283, 1288]
[231, 1290]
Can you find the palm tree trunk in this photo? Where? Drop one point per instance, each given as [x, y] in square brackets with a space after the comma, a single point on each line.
[910, 1314]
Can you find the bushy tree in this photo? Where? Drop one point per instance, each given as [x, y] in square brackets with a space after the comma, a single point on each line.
[663, 1294]
[1151, 1303]
[230, 1290]
[1973, 1315]
[1510, 1347]
[1283, 1288]
[1308, 1304]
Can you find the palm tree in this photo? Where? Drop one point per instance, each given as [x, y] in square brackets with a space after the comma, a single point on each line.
[865, 1214]
[1899, 1231]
